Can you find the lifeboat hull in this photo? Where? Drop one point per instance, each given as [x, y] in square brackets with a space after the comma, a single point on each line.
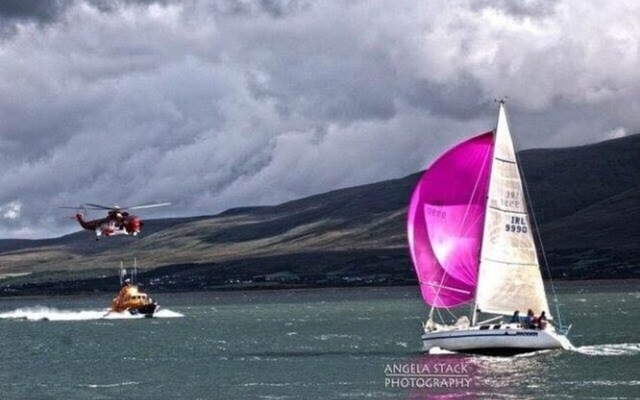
[147, 310]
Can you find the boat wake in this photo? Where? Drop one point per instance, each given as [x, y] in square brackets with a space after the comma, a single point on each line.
[53, 314]
[621, 349]
[438, 351]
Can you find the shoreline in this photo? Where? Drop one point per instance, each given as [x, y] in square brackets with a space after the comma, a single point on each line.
[36, 294]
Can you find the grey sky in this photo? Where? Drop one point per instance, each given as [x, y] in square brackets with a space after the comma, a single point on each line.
[212, 105]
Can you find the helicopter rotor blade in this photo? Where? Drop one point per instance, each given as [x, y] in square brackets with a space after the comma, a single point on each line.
[147, 206]
[91, 206]
[79, 209]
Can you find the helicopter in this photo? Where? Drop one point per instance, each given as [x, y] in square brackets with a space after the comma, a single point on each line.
[117, 222]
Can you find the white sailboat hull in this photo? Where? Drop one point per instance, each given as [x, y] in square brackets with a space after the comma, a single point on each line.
[495, 340]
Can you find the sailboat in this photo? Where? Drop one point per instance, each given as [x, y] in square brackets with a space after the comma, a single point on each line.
[471, 242]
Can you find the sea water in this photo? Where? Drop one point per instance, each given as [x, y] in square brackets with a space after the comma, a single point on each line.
[303, 344]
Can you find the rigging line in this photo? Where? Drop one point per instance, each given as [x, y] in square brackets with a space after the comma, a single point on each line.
[475, 188]
[535, 224]
[442, 319]
[480, 217]
[446, 287]
[439, 315]
[453, 315]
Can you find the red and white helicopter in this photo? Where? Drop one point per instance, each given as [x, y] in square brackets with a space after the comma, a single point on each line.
[117, 222]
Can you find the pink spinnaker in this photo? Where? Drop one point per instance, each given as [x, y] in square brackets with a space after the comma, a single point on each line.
[445, 222]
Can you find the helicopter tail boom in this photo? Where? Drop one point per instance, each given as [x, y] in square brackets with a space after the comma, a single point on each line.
[83, 223]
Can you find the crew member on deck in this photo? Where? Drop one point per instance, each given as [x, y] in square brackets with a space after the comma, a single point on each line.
[528, 320]
[542, 320]
[515, 319]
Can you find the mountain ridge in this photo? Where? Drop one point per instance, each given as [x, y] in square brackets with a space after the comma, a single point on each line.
[579, 195]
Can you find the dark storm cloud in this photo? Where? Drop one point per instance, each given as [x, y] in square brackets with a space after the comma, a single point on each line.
[303, 80]
[13, 12]
[38, 10]
[48, 10]
[211, 105]
[463, 99]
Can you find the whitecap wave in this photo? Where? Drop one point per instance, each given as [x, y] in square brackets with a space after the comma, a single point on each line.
[107, 385]
[438, 350]
[166, 313]
[41, 313]
[621, 349]
[330, 336]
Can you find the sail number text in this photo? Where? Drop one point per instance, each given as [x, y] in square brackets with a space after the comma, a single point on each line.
[517, 225]
[435, 212]
[510, 199]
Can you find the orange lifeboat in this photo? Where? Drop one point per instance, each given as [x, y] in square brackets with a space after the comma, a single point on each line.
[131, 298]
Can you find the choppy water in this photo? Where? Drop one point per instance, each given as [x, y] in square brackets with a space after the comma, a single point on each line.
[298, 345]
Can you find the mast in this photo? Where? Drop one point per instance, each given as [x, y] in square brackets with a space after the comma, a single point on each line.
[121, 274]
[474, 311]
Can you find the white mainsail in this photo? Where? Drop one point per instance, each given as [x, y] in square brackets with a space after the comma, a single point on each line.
[509, 276]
